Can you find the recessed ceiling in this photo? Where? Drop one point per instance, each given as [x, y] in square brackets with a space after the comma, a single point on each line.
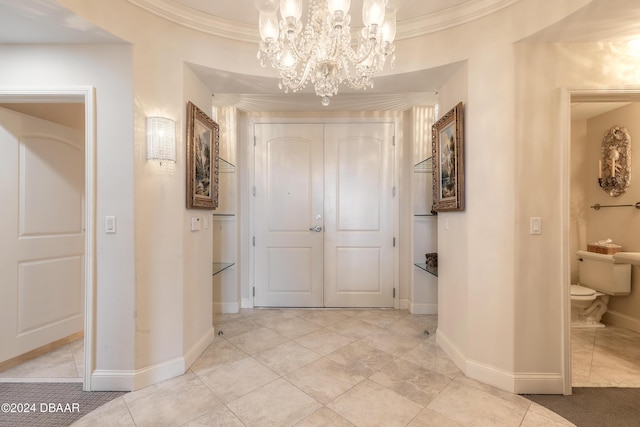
[393, 92]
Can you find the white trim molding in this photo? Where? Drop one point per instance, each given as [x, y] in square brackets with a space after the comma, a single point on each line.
[129, 380]
[513, 382]
[423, 308]
[408, 28]
[198, 348]
[538, 383]
[226, 307]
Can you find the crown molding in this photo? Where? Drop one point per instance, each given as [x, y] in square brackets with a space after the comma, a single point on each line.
[414, 27]
[200, 21]
[450, 17]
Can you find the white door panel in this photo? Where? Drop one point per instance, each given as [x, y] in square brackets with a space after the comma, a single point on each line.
[51, 184]
[359, 215]
[288, 254]
[41, 235]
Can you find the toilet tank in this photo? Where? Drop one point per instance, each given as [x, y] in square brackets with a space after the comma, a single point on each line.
[603, 273]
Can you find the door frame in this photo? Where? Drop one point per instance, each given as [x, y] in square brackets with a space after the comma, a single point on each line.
[86, 95]
[567, 96]
[394, 117]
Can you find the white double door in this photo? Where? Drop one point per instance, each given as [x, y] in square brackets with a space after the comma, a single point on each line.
[324, 215]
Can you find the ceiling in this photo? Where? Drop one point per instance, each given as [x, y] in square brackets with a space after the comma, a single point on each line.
[45, 21]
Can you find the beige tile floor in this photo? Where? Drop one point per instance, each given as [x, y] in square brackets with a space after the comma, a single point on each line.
[319, 368]
[605, 357]
[322, 368]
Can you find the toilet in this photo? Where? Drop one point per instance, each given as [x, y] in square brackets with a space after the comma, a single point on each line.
[600, 276]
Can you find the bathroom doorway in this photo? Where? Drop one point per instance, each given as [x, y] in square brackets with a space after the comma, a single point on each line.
[610, 356]
[50, 181]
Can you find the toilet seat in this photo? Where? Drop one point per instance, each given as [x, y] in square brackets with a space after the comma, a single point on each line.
[582, 293]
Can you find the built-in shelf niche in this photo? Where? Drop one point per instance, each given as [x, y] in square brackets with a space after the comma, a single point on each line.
[225, 167]
[219, 267]
[423, 186]
[427, 268]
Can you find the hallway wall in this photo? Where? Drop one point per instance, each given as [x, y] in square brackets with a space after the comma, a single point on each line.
[543, 68]
[108, 69]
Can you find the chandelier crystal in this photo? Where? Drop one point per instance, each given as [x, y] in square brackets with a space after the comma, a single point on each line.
[324, 51]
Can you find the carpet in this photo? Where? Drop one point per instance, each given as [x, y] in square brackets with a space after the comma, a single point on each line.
[48, 404]
[595, 407]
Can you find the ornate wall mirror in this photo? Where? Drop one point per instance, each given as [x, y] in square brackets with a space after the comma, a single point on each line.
[614, 167]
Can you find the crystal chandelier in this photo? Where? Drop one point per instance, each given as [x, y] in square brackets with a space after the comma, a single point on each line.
[323, 51]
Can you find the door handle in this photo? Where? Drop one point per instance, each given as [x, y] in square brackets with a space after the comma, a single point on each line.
[317, 228]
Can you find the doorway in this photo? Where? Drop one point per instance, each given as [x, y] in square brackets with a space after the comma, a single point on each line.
[596, 357]
[324, 215]
[55, 160]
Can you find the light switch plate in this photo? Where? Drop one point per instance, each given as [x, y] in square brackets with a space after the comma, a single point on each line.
[195, 223]
[535, 225]
[110, 224]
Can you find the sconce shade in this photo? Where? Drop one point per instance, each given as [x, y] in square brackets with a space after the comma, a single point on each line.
[161, 139]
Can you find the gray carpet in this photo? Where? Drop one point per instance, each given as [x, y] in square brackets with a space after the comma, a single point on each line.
[48, 404]
[595, 407]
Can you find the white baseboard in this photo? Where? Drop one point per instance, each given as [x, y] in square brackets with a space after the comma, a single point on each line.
[403, 304]
[423, 308]
[451, 350]
[112, 380]
[539, 383]
[104, 380]
[198, 348]
[225, 307]
[519, 383]
[123, 380]
[491, 375]
[246, 303]
[622, 320]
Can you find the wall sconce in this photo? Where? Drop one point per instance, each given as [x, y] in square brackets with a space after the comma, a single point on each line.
[161, 140]
[614, 169]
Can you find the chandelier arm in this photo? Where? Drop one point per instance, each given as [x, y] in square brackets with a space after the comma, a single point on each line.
[355, 83]
[300, 83]
[299, 52]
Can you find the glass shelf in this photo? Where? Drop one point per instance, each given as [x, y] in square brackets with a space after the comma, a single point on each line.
[428, 269]
[424, 166]
[221, 266]
[225, 166]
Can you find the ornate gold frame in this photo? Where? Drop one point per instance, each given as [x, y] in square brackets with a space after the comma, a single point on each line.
[448, 161]
[203, 149]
